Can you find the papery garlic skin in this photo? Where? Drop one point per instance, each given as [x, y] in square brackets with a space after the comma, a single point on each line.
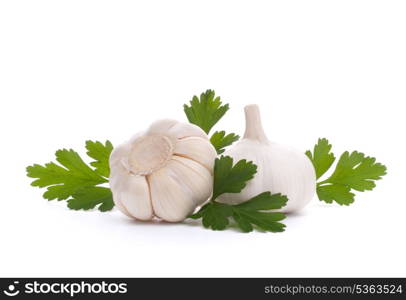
[280, 169]
[165, 171]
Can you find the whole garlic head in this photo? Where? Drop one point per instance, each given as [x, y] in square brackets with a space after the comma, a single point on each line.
[281, 169]
[166, 171]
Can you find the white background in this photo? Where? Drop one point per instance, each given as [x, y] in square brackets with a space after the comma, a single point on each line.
[77, 70]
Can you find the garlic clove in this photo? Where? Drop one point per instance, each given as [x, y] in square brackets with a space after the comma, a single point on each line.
[184, 130]
[130, 193]
[120, 206]
[117, 154]
[117, 168]
[197, 149]
[196, 179]
[170, 201]
[134, 196]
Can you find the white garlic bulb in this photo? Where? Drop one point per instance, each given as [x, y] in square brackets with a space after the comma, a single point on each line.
[166, 171]
[281, 169]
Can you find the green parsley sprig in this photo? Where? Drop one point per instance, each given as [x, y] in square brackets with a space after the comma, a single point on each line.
[75, 181]
[254, 213]
[205, 112]
[354, 172]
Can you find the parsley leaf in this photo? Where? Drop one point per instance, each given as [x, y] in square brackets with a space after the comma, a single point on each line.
[63, 182]
[73, 178]
[101, 154]
[357, 171]
[322, 158]
[229, 178]
[254, 213]
[247, 215]
[251, 213]
[264, 201]
[354, 171]
[206, 111]
[335, 192]
[90, 197]
[220, 140]
[214, 215]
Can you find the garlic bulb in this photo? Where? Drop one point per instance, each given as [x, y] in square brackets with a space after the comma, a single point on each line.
[281, 169]
[166, 171]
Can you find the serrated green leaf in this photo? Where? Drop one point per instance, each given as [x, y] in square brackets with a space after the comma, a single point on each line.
[90, 197]
[256, 212]
[322, 157]
[205, 111]
[49, 174]
[220, 140]
[242, 223]
[265, 221]
[100, 153]
[63, 181]
[264, 201]
[73, 179]
[357, 171]
[335, 192]
[215, 216]
[353, 171]
[229, 178]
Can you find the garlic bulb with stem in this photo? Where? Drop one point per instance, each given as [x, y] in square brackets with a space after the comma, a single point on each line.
[164, 172]
[281, 169]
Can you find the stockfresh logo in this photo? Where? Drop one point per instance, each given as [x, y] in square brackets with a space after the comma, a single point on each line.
[65, 288]
[12, 289]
